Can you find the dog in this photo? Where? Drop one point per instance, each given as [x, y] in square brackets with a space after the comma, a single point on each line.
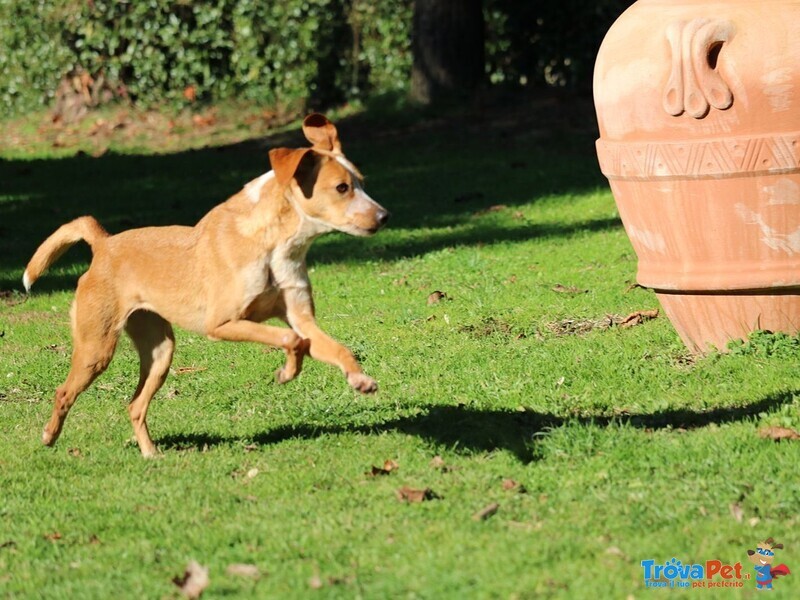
[243, 263]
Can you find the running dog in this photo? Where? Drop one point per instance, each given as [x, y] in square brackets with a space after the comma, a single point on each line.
[243, 263]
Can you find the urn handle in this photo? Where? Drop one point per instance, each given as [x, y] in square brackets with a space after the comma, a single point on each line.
[695, 85]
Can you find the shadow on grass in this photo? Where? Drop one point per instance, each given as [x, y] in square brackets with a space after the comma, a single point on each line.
[434, 176]
[468, 430]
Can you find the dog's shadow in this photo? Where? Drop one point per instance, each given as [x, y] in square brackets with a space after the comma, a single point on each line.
[470, 430]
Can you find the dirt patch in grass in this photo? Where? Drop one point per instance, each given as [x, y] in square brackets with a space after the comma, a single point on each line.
[572, 326]
[489, 326]
[12, 298]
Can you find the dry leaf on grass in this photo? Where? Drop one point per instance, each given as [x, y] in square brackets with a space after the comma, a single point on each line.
[76, 452]
[513, 486]
[182, 370]
[615, 551]
[436, 297]
[437, 462]
[315, 582]
[407, 494]
[388, 466]
[193, 581]
[486, 512]
[568, 289]
[778, 433]
[243, 570]
[737, 512]
[638, 317]
[53, 536]
[490, 209]
[633, 286]
[204, 120]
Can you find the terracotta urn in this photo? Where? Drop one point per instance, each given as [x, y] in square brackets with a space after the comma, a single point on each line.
[698, 105]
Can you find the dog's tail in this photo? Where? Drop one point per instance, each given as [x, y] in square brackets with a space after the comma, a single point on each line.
[82, 228]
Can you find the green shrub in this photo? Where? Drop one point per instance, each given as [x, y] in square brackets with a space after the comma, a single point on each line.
[546, 43]
[765, 344]
[280, 51]
[32, 55]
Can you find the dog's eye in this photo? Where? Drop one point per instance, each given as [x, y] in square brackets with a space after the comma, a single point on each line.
[342, 188]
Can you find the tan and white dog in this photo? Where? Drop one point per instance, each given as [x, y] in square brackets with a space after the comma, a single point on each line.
[243, 263]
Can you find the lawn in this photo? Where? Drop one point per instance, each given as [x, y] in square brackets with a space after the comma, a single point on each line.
[621, 445]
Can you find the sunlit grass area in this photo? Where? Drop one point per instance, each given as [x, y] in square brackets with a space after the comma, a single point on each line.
[621, 446]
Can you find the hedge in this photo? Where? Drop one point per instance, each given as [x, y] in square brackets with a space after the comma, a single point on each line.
[285, 52]
[278, 51]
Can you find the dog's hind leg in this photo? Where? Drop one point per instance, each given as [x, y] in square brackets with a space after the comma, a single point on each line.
[155, 342]
[94, 340]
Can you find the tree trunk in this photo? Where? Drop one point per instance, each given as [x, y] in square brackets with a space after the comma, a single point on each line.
[447, 45]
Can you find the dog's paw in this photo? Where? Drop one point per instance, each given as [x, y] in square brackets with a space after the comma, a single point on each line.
[151, 453]
[283, 375]
[362, 383]
[48, 439]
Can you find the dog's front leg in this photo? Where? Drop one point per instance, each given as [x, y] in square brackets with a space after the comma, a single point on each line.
[248, 331]
[300, 316]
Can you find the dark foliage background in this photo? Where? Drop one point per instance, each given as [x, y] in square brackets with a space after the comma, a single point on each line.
[277, 52]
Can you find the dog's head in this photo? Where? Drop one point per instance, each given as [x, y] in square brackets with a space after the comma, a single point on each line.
[324, 185]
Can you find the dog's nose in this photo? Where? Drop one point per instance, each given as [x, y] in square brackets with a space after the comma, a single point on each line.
[382, 216]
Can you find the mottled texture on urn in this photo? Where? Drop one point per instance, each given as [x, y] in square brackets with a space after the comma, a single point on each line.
[699, 117]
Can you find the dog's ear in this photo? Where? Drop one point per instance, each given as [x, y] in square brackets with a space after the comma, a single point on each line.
[321, 133]
[285, 161]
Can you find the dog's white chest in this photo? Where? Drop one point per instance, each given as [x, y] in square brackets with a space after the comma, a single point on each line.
[288, 268]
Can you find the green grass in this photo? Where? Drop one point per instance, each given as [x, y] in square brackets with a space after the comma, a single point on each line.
[627, 447]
